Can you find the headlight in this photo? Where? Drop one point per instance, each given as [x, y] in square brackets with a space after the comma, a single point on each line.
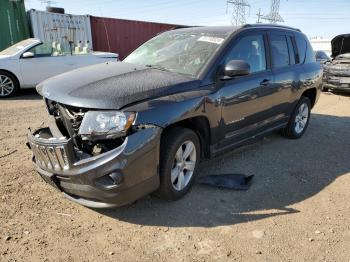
[106, 124]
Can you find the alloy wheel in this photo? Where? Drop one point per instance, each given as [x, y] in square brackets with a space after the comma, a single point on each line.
[301, 118]
[6, 85]
[184, 165]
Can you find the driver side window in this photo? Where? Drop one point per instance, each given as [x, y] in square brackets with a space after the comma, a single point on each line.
[47, 49]
[250, 49]
[41, 50]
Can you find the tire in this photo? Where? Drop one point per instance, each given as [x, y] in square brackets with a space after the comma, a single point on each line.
[299, 120]
[173, 145]
[8, 85]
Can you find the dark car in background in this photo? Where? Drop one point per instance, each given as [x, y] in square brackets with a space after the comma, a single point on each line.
[337, 72]
[120, 130]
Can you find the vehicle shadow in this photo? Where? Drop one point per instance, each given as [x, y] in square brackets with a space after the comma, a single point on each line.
[339, 93]
[25, 94]
[286, 172]
[346, 94]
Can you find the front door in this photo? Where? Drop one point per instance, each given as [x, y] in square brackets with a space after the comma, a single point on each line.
[241, 97]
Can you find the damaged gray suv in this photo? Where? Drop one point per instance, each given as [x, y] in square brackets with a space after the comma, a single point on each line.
[120, 130]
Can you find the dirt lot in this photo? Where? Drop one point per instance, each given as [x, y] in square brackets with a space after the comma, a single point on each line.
[297, 209]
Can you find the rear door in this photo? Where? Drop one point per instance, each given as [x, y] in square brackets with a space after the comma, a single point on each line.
[278, 98]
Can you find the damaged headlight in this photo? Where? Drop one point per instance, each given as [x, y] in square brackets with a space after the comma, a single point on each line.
[106, 124]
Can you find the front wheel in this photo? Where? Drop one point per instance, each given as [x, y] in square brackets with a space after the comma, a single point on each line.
[179, 158]
[299, 120]
[8, 85]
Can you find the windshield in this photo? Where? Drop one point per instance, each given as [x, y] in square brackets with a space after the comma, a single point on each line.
[17, 47]
[179, 52]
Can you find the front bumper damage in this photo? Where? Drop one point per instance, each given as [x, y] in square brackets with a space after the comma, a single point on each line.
[337, 76]
[113, 178]
[337, 83]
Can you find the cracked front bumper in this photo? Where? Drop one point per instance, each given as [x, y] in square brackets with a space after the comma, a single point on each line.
[135, 161]
[337, 83]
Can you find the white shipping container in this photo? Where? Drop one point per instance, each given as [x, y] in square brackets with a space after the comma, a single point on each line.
[65, 29]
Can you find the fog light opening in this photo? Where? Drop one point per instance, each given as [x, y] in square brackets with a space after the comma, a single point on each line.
[111, 180]
[117, 178]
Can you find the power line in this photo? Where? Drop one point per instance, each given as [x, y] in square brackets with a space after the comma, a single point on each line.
[239, 11]
[273, 17]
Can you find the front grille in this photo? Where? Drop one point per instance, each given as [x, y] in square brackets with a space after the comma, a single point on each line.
[51, 157]
[54, 154]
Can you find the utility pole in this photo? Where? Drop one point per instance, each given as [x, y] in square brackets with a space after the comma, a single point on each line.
[273, 17]
[259, 15]
[48, 2]
[239, 11]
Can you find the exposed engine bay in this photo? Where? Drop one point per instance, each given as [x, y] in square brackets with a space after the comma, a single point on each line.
[68, 120]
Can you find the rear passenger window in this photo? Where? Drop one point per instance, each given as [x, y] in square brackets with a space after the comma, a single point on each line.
[279, 50]
[306, 53]
[310, 55]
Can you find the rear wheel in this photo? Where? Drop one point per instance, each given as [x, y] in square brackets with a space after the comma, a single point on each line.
[8, 84]
[299, 119]
[180, 154]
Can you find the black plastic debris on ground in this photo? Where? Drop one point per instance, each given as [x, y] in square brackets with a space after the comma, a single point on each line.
[228, 181]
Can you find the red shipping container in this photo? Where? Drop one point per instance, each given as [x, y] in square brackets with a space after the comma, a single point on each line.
[123, 36]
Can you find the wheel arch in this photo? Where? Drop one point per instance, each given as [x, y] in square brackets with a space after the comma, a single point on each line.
[13, 75]
[200, 125]
[310, 93]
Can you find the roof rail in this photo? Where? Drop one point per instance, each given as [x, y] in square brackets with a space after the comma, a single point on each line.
[271, 25]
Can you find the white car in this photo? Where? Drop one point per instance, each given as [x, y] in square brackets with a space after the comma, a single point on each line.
[30, 61]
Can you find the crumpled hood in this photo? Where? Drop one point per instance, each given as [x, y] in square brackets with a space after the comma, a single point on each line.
[113, 85]
[340, 45]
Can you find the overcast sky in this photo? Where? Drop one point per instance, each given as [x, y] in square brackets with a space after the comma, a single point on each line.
[325, 18]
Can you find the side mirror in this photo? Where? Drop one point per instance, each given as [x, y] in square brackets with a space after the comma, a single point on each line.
[236, 68]
[27, 55]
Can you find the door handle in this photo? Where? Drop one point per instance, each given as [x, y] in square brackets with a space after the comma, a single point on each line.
[265, 82]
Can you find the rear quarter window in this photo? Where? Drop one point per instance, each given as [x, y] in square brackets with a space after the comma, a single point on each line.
[301, 45]
[310, 57]
[305, 51]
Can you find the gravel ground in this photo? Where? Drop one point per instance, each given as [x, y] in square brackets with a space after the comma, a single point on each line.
[297, 209]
